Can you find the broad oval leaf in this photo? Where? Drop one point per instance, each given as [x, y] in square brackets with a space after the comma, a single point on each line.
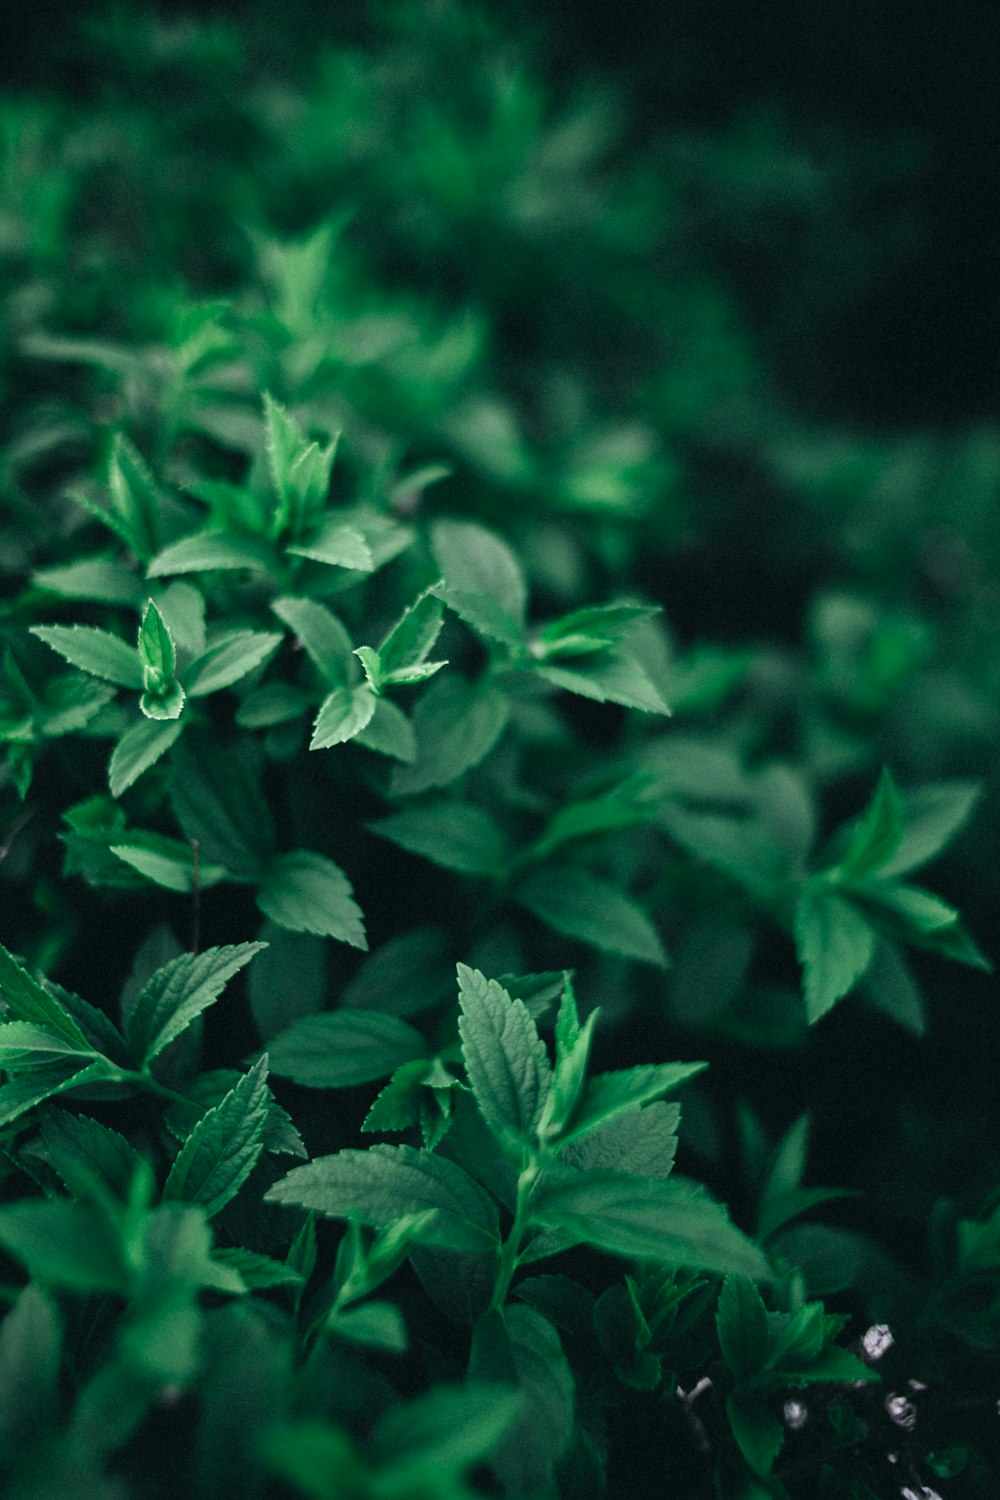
[456, 835]
[343, 714]
[581, 906]
[504, 1056]
[340, 1048]
[385, 1183]
[307, 892]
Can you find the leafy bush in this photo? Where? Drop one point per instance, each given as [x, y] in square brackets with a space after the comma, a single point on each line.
[364, 412]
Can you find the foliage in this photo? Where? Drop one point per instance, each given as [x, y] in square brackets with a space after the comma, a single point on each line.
[392, 749]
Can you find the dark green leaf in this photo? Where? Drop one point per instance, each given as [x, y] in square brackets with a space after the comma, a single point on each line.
[30, 1347]
[386, 1183]
[504, 1056]
[835, 946]
[878, 832]
[475, 561]
[405, 975]
[667, 1222]
[309, 893]
[288, 980]
[457, 835]
[227, 659]
[757, 1430]
[373, 1325]
[27, 1000]
[217, 797]
[456, 724]
[178, 992]
[341, 1048]
[324, 639]
[63, 1244]
[222, 1150]
[741, 1321]
[446, 1430]
[84, 1153]
[581, 906]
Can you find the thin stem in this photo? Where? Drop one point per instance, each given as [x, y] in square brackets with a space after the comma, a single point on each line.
[511, 1246]
[196, 887]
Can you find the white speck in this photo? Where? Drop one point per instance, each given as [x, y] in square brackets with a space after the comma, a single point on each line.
[796, 1415]
[923, 1493]
[901, 1411]
[916, 1385]
[877, 1341]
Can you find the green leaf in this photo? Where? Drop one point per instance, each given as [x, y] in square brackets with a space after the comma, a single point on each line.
[483, 613]
[258, 1272]
[800, 1339]
[835, 946]
[140, 747]
[877, 835]
[209, 551]
[343, 714]
[30, 1348]
[613, 678]
[178, 992]
[341, 1048]
[156, 646]
[526, 1342]
[167, 862]
[94, 651]
[609, 1095]
[475, 561]
[338, 546]
[759, 1433]
[608, 622]
[96, 579]
[373, 1325]
[63, 1244]
[504, 1056]
[664, 1221]
[165, 704]
[309, 893]
[23, 1044]
[456, 835]
[86, 1153]
[386, 1183]
[27, 1000]
[134, 496]
[218, 800]
[324, 639]
[572, 1055]
[228, 659]
[933, 814]
[409, 973]
[182, 606]
[445, 1430]
[456, 723]
[272, 703]
[287, 980]
[222, 1150]
[741, 1321]
[30, 1089]
[581, 906]
[643, 1142]
[389, 732]
[412, 637]
[889, 985]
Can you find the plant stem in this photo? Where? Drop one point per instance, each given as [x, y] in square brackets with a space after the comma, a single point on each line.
[512, 1244]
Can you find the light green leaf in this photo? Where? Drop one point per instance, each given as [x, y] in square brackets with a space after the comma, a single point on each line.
[27, 1000]
[228, 659]
[835, 946]
[97, 579]
[341, 1048]
[933, 814]
[324, 639]
[94, 651]
[889, 985]
[579, 905]
[412, 637]
[140, 747]
[483, 613]
[29, 1089]
[24, 1044]
[475, 561]
[209, 551]
[613, 678]
[643, 1142]
[343, 714]
[877, 835]
[457, 835]
[309, 893]
[178, 992]
[167, 862]
[504, 1056]
[134, 496]
[257, 1272]
[339, 546]
[156, 646]
[222, 1150]
[389, 732]
[373, 1325]
[182, 606]
[671, 1222]
[386, 1183]
[272, 703]
[456, 723]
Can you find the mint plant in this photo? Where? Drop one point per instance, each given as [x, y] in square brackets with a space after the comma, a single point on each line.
[440, 914]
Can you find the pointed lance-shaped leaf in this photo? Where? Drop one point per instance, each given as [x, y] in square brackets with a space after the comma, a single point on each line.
[222, 1150]
[504, 1056]
[178, 992]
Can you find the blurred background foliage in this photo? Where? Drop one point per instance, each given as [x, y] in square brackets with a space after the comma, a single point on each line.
[686, 301]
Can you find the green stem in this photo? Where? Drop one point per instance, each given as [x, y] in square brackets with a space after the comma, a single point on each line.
[511, 1246]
